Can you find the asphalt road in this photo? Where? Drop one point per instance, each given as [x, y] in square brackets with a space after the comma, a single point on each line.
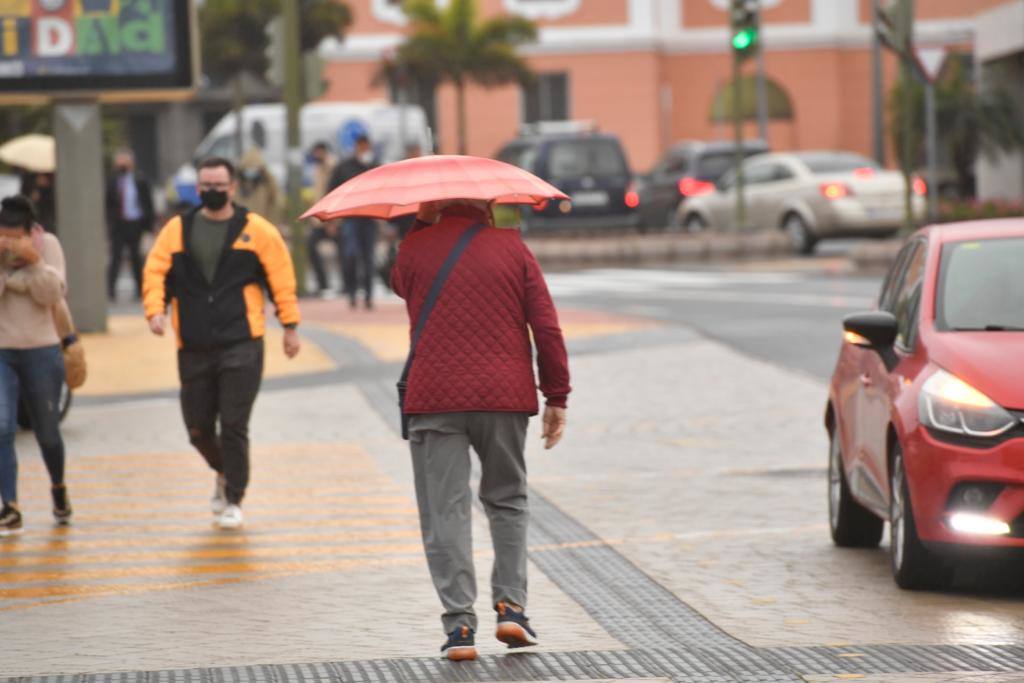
[788, 317]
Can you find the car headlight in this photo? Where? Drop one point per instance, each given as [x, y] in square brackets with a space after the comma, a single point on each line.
[949, 404]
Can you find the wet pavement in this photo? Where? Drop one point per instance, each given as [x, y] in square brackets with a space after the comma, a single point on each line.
[679, 532]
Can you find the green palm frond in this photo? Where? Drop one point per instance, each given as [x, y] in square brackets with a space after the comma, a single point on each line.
[498, 64]
[506, 30]
[422, 13]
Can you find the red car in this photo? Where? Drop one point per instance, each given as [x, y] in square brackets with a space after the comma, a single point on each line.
[926, 406]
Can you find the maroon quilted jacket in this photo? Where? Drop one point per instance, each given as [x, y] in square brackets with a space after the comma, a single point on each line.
[475, 352]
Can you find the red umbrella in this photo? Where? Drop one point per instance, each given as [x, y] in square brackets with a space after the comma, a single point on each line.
[398, 189]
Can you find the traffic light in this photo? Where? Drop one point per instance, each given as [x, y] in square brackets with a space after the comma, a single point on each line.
[893, 23]
[745, 20]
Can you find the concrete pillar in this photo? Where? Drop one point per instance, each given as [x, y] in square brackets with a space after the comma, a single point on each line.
[80, 210]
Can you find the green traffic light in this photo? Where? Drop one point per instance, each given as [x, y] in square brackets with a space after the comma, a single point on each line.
[744, 39]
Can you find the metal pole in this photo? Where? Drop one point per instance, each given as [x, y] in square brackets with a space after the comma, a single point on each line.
[403, 100]
[907, 75]
[737, 123]
[80, 213]
[877, 87]
[762, 96]
[293, 95]
[932, 146]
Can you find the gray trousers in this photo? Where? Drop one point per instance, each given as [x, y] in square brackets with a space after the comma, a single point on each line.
[441, 465]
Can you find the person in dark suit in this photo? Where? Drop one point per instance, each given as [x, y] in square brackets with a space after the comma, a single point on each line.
[358, 234]
[129, 214]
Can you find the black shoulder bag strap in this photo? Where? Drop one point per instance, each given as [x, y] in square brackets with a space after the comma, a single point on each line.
[428, 306]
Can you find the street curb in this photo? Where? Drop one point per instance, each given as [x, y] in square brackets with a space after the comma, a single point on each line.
[562, 252]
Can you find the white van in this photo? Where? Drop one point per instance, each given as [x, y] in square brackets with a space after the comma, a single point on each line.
[391, 129]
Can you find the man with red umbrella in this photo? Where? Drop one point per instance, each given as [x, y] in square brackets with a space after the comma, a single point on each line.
[472, 384]
[474, 294]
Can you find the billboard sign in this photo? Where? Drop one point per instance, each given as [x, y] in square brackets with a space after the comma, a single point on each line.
[53, 46]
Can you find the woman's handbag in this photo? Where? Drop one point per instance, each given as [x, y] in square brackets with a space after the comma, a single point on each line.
[74, 353]
[428, 306]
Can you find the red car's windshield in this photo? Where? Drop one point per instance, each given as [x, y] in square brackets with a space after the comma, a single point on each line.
[981, 286]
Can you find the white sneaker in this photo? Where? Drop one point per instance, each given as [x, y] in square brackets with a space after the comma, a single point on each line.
[231, 518]
[220, 496]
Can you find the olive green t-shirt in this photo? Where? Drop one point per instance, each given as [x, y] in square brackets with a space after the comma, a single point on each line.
[207, 243]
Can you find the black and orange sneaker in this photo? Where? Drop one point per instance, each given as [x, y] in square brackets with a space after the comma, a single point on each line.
[513, 626]
[461, 645]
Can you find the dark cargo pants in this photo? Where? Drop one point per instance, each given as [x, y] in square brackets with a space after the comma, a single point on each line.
[221, 385]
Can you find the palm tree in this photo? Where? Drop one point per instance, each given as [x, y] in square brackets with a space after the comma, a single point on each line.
[452, 45]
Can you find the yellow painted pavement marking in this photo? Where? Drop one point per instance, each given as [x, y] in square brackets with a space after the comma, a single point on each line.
[389, 341]
[128, 359]
[327, 507]
[213, 538]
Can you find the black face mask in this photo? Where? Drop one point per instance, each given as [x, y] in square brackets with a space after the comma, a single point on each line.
[124, 170]
[214, 200]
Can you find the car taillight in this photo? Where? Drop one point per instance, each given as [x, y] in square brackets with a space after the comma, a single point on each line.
[692, 187]
[835, 190]
[864, 172]
[632, 198]
[919, 186]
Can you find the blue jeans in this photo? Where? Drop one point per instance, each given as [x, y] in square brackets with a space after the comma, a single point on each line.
[37, 375]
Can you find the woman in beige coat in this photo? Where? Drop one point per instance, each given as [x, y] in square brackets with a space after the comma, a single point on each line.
[31, 365]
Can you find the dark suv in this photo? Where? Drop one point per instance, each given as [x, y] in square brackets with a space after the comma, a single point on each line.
[590, 167]
[687, 169]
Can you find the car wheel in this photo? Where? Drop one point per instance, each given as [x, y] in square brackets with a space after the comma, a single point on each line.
[694, 223]
[852, 525]
[913, 566]
[799, 234]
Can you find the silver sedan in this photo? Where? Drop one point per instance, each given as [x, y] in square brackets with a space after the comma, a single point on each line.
[810, 195]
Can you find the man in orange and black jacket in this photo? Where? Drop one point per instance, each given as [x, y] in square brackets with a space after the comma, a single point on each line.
[211, 267]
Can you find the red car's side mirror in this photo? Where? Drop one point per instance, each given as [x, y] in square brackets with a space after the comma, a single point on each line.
[875, 329]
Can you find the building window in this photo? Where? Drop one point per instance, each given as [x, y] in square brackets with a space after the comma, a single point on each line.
[547, 99]
[542, 9]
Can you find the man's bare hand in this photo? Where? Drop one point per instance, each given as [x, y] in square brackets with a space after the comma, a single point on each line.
[554, 426]
[158, 324]
[292, 343]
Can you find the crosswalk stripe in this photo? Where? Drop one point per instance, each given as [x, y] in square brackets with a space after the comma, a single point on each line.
[142, 522]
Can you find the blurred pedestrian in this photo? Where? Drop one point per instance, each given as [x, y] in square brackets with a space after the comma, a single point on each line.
[41, 190]
[209, 266]
[31, 364]
[358, 234]
[397, 228]
[129, 214]
[471, 384]
[258, 190]
[323, 169]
